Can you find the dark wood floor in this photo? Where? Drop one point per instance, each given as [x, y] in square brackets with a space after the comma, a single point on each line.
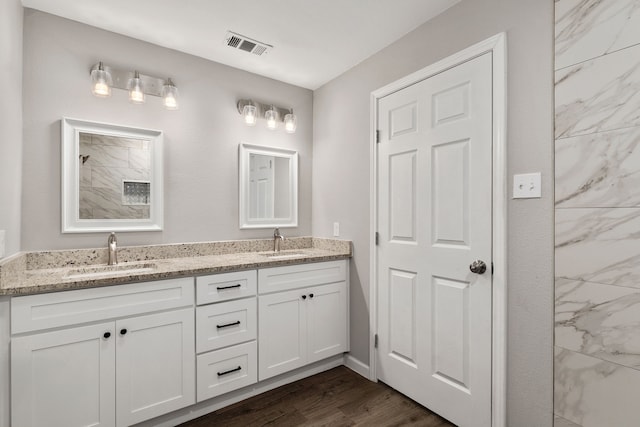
[338, 397]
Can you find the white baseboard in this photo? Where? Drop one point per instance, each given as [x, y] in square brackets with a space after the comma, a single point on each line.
[356, 366]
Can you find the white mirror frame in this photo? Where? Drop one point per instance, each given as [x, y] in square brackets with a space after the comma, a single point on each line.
[246, 150]
[70, 172]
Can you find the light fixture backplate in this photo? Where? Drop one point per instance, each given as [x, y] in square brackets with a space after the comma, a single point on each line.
[262, 108]
[151, 85]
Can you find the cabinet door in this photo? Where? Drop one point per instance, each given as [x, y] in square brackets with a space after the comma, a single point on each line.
[282, 332]
[156, 365]
[327, 320]
[64, 378]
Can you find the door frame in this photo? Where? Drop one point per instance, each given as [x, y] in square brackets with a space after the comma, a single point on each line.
[495, 45]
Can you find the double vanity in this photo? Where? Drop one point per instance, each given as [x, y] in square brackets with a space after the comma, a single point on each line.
[171, 331]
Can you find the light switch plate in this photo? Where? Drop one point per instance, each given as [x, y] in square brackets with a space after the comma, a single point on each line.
[527, 186]
[2, 243]
[336, 229]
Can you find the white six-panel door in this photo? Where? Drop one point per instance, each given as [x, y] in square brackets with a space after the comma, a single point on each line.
[434, 220]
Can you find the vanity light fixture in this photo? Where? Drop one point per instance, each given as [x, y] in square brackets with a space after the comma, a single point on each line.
[272, 118]
[251, 111]
[136, 92]
[250, 114]
[101, 81]
[103, 78]
[290, 122]
[170, 95]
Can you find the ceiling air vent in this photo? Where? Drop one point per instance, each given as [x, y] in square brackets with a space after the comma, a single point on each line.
[238, 41]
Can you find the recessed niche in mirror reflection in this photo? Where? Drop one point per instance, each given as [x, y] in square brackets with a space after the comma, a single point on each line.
[269, 183]
[115, 177]
[112, 177]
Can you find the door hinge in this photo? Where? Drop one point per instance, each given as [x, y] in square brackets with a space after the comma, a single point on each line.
[377, 238]
[375, 341]
[377, 136]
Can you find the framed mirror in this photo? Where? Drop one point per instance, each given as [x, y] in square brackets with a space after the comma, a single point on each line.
[268, 187]
[112, 178]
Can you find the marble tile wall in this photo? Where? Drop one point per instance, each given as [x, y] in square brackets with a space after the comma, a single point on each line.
[110, 161]
[597, 195]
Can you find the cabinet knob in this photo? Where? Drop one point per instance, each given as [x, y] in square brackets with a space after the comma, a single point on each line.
[106, 335]
[304, 297]
[310, 295]
[123, 331]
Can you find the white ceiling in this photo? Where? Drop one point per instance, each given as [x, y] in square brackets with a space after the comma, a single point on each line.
[314, 40]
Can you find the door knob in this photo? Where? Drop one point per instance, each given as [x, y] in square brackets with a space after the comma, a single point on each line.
[478, 267]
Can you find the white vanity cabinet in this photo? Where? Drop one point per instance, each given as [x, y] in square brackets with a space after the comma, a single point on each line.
[111, 356]
[303, 315]
[226, 332]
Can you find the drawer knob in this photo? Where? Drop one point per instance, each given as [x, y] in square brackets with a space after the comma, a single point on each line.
[106, 335]
[123, 331]
[229, 371]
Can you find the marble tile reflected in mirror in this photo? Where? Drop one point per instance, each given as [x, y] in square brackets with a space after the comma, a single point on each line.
[115, 177]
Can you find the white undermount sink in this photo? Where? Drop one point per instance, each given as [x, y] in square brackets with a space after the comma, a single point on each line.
[109, 271]
[284, 255]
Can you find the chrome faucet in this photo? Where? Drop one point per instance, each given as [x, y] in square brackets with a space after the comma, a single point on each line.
[277, 238]
[112, 243]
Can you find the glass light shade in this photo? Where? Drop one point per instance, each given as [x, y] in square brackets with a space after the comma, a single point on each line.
[249, 112]
[290, 123]
[101, 82]
[136, 90]
[272, 119]
[170, 96]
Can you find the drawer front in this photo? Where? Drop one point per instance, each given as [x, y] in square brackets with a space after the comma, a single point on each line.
[225, 286]
[222, 371]
[224, 324]
[44, 311]
[299, 276]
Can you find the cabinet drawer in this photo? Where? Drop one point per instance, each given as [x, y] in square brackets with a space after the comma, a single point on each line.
[224, 324]
[225, 286]
[44, 311]
[299, 276]
[222, 371]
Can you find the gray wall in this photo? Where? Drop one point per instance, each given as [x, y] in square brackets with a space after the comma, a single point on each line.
[201, 138]
[10, 122]
[341, 176]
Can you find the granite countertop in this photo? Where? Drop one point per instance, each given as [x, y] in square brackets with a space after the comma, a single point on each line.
[50, 271]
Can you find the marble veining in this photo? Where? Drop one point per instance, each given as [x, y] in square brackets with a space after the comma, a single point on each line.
[598, 95]
[48, 271]
[598, 170]
[599, 245]
[595, 393]
[586, 29]
[599, 320]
